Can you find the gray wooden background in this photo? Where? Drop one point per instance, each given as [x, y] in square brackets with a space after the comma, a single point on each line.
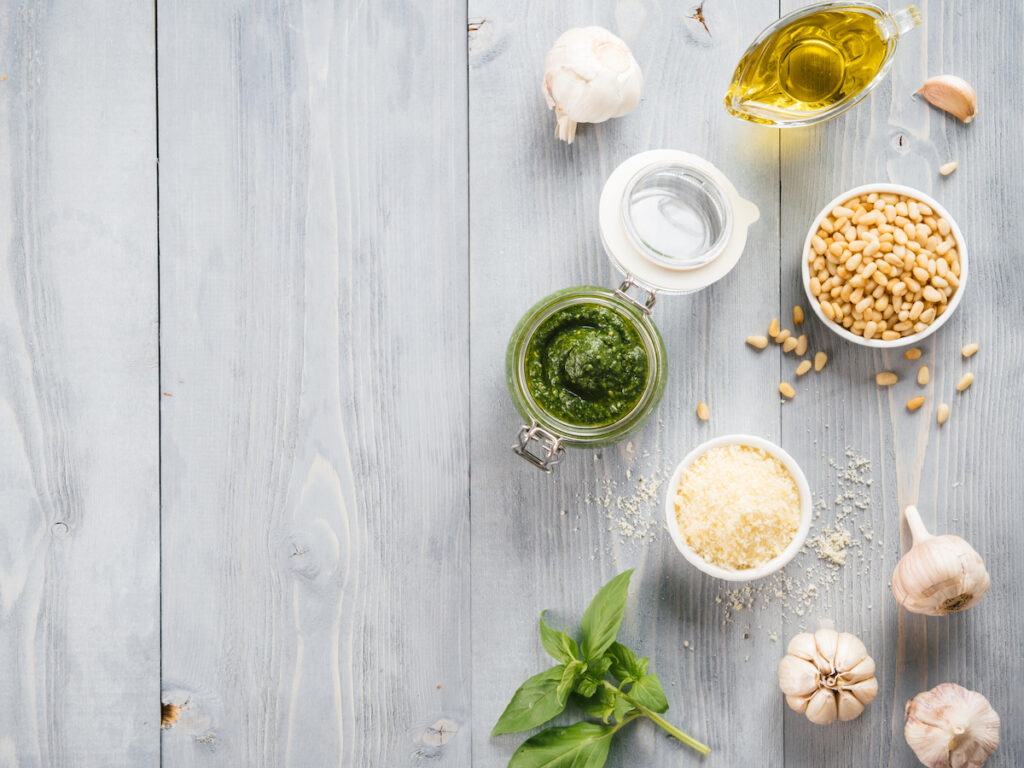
[260, 261]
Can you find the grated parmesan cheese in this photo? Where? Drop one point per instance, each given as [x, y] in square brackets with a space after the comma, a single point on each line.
[737, 507]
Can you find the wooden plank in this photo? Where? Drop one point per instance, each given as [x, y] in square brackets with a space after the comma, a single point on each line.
[957, 475]
[79, 529]
[315, 352]
[537, 543]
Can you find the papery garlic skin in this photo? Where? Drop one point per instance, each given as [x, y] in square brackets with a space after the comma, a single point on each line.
[827, 676]
[590, 76]
[940, 574]
[951, 727]
[951, 94]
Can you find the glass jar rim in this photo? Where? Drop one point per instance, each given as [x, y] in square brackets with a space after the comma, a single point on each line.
[710, 190]
[576, 434]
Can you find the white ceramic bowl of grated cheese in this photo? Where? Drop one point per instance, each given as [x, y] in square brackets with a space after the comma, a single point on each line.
[774, 477]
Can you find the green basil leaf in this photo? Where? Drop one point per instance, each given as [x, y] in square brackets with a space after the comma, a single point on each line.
[573, 672]
[559, 645]
[603, 616]
[622, 708]
[583, 745]
[586, 687]
[601, 705]
[625, 667]
[537, 701]
[648, 692]
[599, 668]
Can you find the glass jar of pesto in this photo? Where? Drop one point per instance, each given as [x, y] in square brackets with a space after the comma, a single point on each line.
[586, 365]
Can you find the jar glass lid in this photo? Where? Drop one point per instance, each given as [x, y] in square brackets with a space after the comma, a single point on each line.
[676, 215]
[672, 222]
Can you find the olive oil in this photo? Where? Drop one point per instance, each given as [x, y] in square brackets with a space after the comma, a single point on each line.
[816, 63]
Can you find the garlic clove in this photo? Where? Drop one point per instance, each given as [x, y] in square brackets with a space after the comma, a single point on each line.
[951, 727]
[940, 574]
[951, 94]
[798, 703]
[849, 706]
[866, 690]
[850, 651]
[803, 646]
[822, 708]
[862, 671]
[826, 640]
[797, 677]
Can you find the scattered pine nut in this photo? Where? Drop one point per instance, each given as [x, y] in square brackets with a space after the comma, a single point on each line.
[943, 413]
[886, 379]
[773, 328]
[757, 341]
[915, 402]
[923, 375]
[969, 350]
[781, 336]
[965, 381]
[912, 354]
[787, 390]
[801, 345]
[947, 168]
[789, 344]
[703, 412]
[798, 315]
[820, 358]
[803, 368]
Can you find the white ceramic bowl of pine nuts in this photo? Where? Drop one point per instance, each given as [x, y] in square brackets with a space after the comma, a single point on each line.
[884, 265]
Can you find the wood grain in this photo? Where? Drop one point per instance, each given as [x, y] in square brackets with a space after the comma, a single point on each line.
[315, 347]
[79, 505]
[537, 543]
[955, 474]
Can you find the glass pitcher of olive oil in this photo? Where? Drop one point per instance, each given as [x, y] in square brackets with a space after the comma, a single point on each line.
[816, 62]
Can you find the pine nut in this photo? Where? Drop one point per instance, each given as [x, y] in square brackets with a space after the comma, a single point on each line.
[965, 381]
[789, 344]
[801, 345]
[820, 358]
[945, 169]
[804, 367]
[942, 413]
[890, 335]
[915, 402]
[886, 378]
[922, 375]
[787, 391]
[798, 315]
[782, 335]
[703, 412]
[757, 341]
[969, 350]
[773, 328]
[931, 294]
[912, 354]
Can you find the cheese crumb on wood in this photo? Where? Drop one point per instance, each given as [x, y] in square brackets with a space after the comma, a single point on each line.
[737, 507]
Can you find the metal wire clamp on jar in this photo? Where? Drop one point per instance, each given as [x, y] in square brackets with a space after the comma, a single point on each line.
[671, 223]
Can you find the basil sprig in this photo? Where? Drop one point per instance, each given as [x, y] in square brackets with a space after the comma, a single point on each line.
[582, 676]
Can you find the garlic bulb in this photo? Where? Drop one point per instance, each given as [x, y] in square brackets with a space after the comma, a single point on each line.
[951, 727]
[589, 77]
[940, 574]
[951, 94]
[827, 676]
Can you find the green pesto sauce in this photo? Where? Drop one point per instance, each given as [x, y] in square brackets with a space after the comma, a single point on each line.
[586, 365]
